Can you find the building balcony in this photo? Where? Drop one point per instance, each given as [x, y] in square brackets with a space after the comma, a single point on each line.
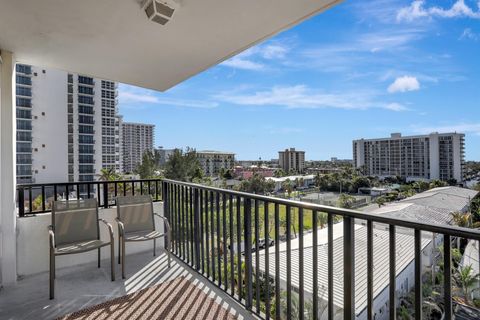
[319, 261]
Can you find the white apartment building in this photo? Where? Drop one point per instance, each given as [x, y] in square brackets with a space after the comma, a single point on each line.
[291, 160]
[67, 126]
[136, 139]
[213, 161]
[422, 157]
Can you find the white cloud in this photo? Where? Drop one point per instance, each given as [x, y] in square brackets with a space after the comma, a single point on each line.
[403, 84]
[459, 127]
[256, 58]
[239, 63]
[300, 96]
[129, 95]
[469, 34]
[396, 107]
[417, 9]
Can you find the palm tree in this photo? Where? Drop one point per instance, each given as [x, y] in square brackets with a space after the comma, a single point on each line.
[108, 174]
[465, 280]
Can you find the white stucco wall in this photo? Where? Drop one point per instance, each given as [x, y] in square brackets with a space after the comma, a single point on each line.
[33, 246]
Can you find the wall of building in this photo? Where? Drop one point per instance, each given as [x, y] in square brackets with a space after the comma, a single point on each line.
[49, 126]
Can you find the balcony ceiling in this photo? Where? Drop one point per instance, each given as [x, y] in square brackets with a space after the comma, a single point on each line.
[113, 39]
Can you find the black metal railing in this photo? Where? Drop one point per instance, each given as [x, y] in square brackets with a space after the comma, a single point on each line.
[230, 237]
[37, 198]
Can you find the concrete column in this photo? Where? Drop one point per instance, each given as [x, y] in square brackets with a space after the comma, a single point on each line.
[8, 243]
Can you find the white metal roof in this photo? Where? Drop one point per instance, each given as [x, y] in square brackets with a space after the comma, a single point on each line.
[404, 256]
[113, 39]
[449, 198]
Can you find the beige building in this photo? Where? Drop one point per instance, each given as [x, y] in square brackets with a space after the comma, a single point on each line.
[213, 161]
[291, 159]
[423, 157]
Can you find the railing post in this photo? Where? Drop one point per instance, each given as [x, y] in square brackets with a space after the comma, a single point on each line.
[247, 223]
[21, 201]
[196, 227]
[166, 212]
[349, 268]
[105, 195]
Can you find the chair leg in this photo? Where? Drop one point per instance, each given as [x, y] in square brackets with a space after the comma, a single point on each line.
[168, 252]
[52, 275]
[98, 257]
[123, 258]
[154, 246]
[112, 260]
[119, 248]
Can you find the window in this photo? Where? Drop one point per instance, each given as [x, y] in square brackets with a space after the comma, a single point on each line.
[24, 114]
[85, 80]
[85, 90]
[23, 68]
[85, 158]
[24, 136]
[85, 169]
[24, 125]
[23, 102]
[24, 147]
[85, 139]
[24, 91]
[23, 80]
[85, 119]
[86, 148]
[85, 109]
[85, 100]
[24, 158]
[86, 129]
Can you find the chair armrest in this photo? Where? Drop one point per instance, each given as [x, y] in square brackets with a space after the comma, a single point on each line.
[109, 226]
[51, 236]
[121, 227]
[167, 225]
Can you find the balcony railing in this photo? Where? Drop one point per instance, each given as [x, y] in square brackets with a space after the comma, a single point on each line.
[236, 240]
[220, 233]
[36, 198]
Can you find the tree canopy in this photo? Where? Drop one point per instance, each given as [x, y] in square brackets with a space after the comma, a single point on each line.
[257, 184]
[183, 166]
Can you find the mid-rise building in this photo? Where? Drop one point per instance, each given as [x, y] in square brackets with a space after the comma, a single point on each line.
[67, 126]
[137, 138]
[291, 160]
[164, 155]
[422, 157]
[213, 161]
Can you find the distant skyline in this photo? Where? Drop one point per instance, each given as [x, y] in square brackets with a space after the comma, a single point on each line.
[363, 69]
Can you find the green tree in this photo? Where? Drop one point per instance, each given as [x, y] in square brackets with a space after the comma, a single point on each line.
[183, 166]
[345, 201]
[257, 184]
[149, 167]
[465, 279]
[437, 184]
[109, 174]
[287, 186]
[279, 173]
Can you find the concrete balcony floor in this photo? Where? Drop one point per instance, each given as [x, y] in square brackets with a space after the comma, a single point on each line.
[85, 285]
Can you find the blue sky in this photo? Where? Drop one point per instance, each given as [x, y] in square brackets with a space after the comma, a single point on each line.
[361, 69]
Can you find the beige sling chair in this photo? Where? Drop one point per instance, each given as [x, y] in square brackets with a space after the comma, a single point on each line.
[75, 229]
[135, 218]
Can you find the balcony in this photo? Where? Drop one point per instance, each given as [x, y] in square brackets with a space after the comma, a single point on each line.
[355, 265]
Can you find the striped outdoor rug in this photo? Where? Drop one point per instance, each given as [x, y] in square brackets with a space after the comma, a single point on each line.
[176, 299]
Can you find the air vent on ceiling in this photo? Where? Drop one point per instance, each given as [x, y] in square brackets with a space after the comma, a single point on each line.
[160, 11]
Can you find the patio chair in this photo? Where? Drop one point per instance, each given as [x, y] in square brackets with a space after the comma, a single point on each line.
[75, 229]
[135, 218]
